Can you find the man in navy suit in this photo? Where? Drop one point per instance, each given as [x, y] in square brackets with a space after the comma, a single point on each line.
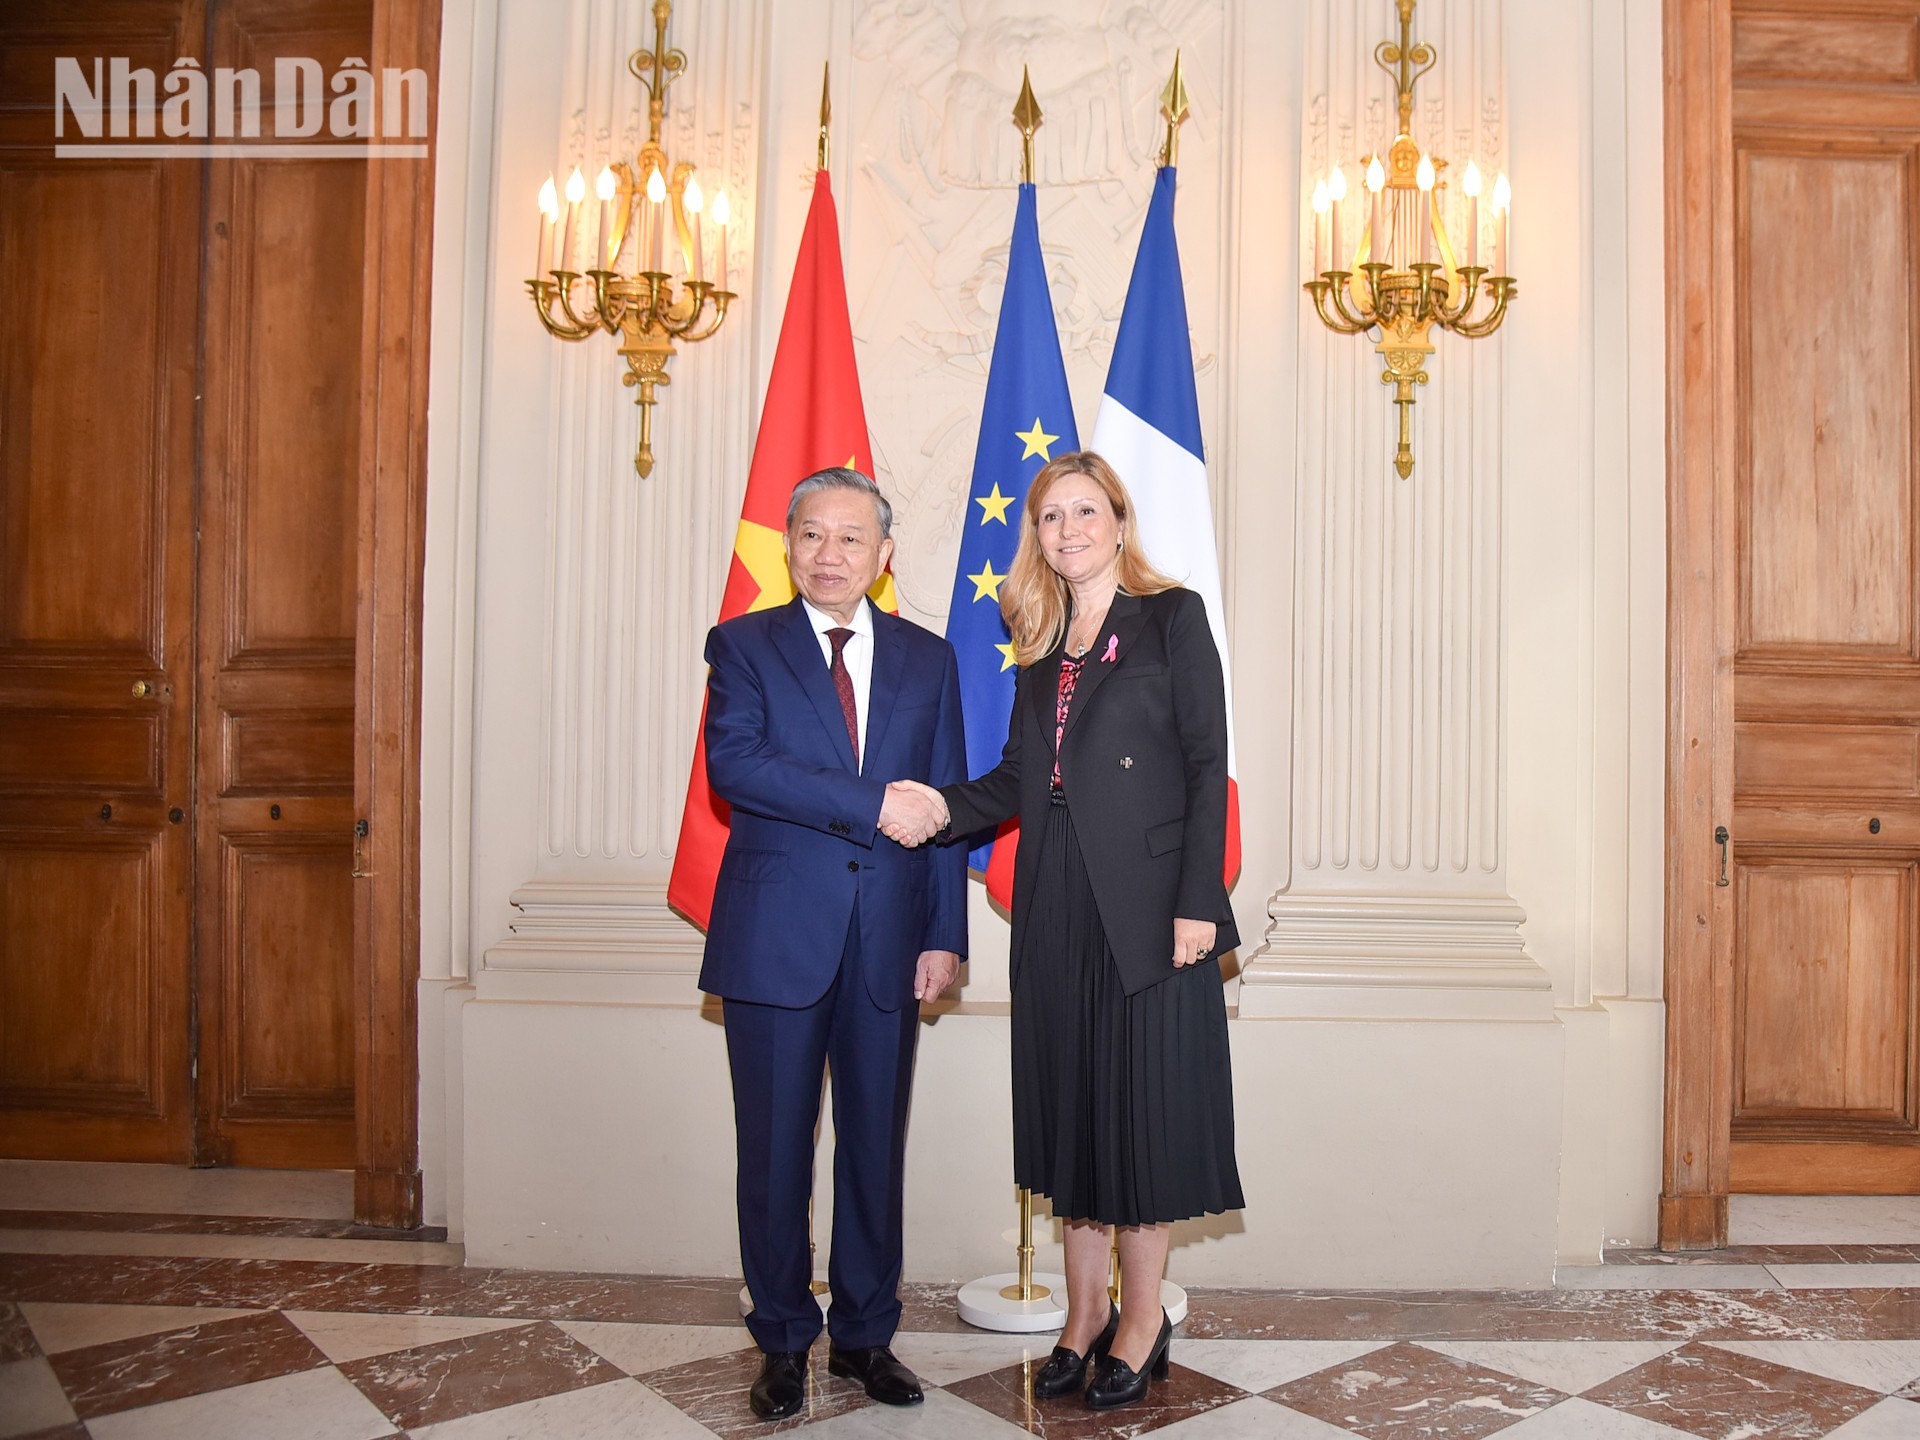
[825, 934]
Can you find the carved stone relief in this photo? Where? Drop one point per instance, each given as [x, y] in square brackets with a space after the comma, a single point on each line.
[929, 208]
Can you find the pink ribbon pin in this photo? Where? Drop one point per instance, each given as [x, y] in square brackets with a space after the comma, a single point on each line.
[1113, 649]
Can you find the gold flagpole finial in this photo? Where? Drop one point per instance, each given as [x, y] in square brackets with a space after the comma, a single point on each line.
[826, 107]
[1027, 117]
[1173, 106]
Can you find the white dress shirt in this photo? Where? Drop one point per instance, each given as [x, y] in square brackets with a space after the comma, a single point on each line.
[858, 657]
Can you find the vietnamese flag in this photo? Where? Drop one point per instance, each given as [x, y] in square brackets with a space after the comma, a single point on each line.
[813, 419]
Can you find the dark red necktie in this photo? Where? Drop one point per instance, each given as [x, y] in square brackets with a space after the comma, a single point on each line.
[843, 687]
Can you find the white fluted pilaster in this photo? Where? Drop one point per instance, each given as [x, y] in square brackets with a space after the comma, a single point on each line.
[1396, 902]
[634, 566]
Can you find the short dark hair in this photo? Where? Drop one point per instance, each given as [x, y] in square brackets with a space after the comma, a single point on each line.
[842, 477]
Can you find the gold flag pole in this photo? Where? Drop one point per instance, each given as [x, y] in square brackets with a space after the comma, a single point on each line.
[1024, 1289]
[826, 108]
[1027, 119]
[1173, 108]
[1025, 1306]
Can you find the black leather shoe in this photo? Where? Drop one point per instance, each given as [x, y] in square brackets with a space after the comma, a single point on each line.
[782, 1387]
[1118, 1383]
[876, 1367]
[1065, 1371]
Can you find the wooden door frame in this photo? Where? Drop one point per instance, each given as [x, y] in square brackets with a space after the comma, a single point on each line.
[392, 557]
[1702, 577]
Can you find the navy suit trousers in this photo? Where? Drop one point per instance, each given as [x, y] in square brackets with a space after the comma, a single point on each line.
[778, 1057]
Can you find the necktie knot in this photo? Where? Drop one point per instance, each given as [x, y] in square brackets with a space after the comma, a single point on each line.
[839, 636]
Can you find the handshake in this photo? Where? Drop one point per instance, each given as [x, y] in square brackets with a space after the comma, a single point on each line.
[912, 813]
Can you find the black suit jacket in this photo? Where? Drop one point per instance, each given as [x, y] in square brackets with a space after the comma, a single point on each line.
[1144, 766]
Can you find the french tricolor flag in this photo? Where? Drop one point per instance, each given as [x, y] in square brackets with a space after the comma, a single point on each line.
[1148, 429]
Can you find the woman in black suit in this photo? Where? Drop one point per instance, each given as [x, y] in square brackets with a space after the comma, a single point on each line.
[1116, 764]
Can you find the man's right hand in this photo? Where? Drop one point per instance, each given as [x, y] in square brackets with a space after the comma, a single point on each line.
[912, 813]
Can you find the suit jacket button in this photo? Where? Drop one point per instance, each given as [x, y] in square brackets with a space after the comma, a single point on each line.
[853, 865]
[1126, 762]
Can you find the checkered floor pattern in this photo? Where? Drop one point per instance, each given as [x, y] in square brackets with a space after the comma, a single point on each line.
[112, 1370]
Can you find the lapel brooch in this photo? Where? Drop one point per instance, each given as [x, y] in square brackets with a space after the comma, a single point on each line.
[1112, 651]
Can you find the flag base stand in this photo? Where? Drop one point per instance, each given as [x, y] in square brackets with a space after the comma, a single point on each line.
[993, 1303]
[1020, 1302]
[820, 1293]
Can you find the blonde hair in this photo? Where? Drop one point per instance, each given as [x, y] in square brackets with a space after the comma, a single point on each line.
[1033, 599]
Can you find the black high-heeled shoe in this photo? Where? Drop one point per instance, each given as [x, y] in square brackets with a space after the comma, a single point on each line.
[1065, 1371]
[1117, 1383]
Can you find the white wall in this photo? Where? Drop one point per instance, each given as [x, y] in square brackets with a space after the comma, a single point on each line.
[1446, 1074]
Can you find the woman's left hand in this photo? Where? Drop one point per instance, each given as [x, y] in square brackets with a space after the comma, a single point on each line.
[1192, 941]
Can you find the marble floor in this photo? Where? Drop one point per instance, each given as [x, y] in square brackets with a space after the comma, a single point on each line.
[124, 1321]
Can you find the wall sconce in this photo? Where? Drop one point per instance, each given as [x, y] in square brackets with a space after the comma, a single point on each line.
[1410, 277]
[626, 288]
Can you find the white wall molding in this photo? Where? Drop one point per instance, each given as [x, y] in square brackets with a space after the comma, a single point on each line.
[1373, 956]
[594, 941]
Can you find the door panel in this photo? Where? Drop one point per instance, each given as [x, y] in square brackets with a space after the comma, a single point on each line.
[99, 280]
[1829, 379]
[91, 904]
[1823, 1026]
[279, 531]
[1826, 656]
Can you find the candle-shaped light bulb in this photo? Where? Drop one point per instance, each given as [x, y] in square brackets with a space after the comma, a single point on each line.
[1423, 177]
[722, 213]
[1321, 205]
[576, 192]
[1502, 203]
[549, 212]
[1336, 192]
[603, 188]
[694, 201]
[656, 193]
[1470, 183]
[1376, 188]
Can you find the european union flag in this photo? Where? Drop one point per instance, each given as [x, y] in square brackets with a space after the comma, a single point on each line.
[1027, 420]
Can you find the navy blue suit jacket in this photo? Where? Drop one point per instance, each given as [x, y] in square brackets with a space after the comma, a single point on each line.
[804, 849]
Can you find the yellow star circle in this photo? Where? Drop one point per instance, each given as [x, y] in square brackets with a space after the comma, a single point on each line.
[1036, 440]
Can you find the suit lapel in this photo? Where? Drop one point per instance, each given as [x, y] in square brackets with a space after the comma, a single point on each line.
[1124, 619]
[889, 664]
[1043, 689]
[800, 648]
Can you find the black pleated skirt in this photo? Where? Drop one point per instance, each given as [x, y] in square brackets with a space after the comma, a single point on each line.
[1122, 1105]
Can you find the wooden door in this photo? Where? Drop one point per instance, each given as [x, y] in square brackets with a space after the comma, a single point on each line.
[279, 492]
[176, 893]
[99, 286]
[1826, 652]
